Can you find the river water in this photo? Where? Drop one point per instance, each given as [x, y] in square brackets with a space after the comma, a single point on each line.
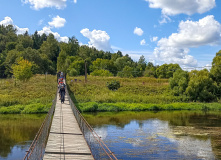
[130, 135]
[160, 135]
[17, 133]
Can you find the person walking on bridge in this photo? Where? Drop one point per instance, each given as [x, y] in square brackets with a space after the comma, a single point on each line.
[62, 93]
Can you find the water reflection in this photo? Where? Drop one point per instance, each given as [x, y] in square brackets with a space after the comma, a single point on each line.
[17, 133]
[163, 135]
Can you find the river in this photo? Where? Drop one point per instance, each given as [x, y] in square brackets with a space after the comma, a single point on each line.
[17, 133]
[160, 135]
[130, 135]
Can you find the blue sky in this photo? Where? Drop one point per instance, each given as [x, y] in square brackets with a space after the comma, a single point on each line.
[164, 31]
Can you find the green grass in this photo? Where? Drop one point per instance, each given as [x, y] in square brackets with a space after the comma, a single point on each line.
[107, 107]
[134, 90]
[33, 96]
[135, 94]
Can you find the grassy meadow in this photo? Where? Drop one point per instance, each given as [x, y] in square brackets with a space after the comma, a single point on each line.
[33, 96]
[135, 94]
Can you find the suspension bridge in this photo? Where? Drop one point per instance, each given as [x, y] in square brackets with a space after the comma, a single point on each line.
[65, 134]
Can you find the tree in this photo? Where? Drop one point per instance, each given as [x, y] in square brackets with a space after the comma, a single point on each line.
[142, 62]
[167, 70]
[72, 72]
[71, 48]
[10, 45]
[201, 87]
[216, 68]
[127, 72]
[46, 64]
[179, 82]
[84, 51]
[79, 66]
[102, 72]
[2, 66]
[61, 62]
[22, 70]
[103, 64]
[150, 70]
[51, 49]
[7, 34]
[37, 42]
[114, 56]
[107, 55]
[10, 60]
[25, 40]
[121, 62]
[33, 56]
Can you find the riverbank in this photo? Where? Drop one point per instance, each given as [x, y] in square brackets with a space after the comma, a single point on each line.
[33, 96]
[108, 107]
[135, 94]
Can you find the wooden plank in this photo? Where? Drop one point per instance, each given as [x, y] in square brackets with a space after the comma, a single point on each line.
[66, 140]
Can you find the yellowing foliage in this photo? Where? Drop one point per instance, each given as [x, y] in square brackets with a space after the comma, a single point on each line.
[22, 71]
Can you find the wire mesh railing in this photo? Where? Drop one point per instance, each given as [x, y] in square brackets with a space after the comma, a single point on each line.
[98, 148]
[37, 148]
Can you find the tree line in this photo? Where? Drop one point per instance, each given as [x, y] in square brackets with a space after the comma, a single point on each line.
[43, 53]
[46, 54]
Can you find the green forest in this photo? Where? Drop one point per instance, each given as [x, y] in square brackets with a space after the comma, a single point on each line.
[44, 54]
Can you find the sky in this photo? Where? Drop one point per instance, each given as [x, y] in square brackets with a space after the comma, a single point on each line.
[187, 32]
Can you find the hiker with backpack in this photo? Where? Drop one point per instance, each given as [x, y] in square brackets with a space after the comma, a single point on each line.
[62, 93]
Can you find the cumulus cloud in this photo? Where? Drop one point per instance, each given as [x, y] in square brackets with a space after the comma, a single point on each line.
[98, 39]
[142, 42]
[47, 31]
[6, 21]
[175, 48]
[189, 7]
[138, 31]
[57, 22]
[9, 21]
[154, 39]
[75, 1]
[39, 4]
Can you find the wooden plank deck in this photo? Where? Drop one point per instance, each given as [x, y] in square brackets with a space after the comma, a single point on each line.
[66, 140]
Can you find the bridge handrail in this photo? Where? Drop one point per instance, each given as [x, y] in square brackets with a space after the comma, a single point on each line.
[104, 152]
[37, 148]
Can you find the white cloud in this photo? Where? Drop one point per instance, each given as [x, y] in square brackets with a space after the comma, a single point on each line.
[175, 48]
[39, 4]
[138, 31]
[75, 1]
[47, 31]
[6, 21]
[57, 22]
[142, 42]
[9, 21]
[189, 7]
[98, 39]
[154, 39]
[21, 30]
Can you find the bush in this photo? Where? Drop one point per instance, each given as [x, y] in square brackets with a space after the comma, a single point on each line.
[127, 72]
[113, 85]
[72, 72]
[22, 71]
[102, 72]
